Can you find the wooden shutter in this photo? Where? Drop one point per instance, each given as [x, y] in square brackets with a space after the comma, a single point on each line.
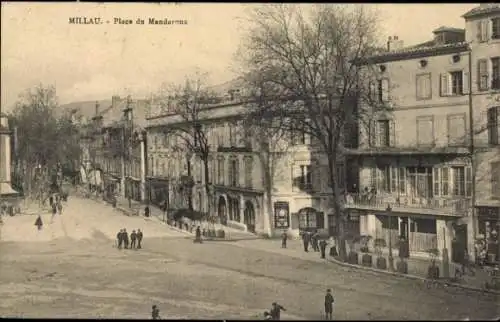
[295, 221]
[320, 220]
[436, 178]
[482, 74]
[392, 133]
[495, 180]
[372, 88]
[468, 181]
[465, 82]
[296, 176]
[385, 90]
[316, 177]
[479, 26]
[445, 84]
[485, 30]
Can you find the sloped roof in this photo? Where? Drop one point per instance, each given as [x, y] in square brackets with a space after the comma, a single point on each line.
[445, 28]
[86, 109]
[223, 88]
[484, 8]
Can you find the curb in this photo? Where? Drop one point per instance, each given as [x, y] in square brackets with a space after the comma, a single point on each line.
[413, 277]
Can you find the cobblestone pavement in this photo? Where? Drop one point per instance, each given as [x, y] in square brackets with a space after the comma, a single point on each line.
[79, 274]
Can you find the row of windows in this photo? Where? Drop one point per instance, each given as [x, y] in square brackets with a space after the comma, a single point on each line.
[382, 132]
[424, 182]
[306, 177]
[488, 28]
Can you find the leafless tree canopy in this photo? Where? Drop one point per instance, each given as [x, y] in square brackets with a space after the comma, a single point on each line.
[299, 64]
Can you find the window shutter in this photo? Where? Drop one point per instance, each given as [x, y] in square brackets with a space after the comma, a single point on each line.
[372, 88]
[372, 133]
[392, 133]
[444, 85]
[485, 30]
[436, 178]
[465, 82]
[373, 177]
[296, 176]
[482, 74]
[468, 181]
[385, 90]
[320, 220]
[317, 178]
[479, 30]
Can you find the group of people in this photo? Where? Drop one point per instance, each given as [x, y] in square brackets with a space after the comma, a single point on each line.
[133, 243]
[313, 239]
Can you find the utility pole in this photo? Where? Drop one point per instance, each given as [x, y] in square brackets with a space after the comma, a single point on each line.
[472, 156]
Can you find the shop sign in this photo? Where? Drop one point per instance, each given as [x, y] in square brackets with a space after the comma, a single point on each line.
[489, 212]
[281, 215]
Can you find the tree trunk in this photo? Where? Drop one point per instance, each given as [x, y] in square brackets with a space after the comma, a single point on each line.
[190, 188]
[337, 206]
[265, 159]
[207, 188]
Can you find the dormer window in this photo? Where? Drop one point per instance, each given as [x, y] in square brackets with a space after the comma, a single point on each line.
[382, 68]
[455, 58]
[423, 63]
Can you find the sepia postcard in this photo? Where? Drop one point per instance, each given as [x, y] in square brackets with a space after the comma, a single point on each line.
[250, 161]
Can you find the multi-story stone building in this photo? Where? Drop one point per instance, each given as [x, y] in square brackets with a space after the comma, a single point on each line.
[118, 148]
[415, 156]
[263, 187]
[482, 26]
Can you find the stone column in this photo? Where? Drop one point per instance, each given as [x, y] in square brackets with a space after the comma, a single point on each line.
[5, 158]
[242, 210]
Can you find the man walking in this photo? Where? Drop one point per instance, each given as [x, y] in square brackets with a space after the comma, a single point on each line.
[155, 313]
[305, 240]
[328, 304]
[125, 238]
[54, 212]
[284, 237]
[133, 237]
[119, 238]
[322, 246]
[276, 311]
[139, 238]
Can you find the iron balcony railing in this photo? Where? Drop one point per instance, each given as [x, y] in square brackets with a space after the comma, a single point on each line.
[454, 206]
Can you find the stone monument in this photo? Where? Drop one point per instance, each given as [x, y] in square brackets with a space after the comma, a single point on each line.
[8, 196]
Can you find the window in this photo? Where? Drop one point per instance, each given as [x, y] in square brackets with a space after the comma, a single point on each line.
[220, 171]
[402, 180]
[482, 30]
[454, 83]
[303, 178]
[388, 179]
[425, 130]
[248, 171]
[424, 88]
[493, 125]
[307, 220]
[232, 134]
[495, 73]
[234, 172]
[458, 181]
[200, 170]
[383, 90]
[482, 71]
[456, 130]
[495, 28]
[495, 180]
[383, 133]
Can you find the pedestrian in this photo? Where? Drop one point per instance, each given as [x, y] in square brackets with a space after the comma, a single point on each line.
[125, 238]
[129, 202]
[322, 246]
[305, 240]
[119, 238]
[54, 212]
[139, 238]
[198, 235]
[155, 313]
[284, 238]
[133, 238]
[51, 200]
[314, 241]
[39, 223]
[59, 207]
[466, 265]
[146, 211]
[328, 304]
[276, 311]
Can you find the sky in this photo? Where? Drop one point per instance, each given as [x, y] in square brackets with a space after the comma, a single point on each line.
[93, 62]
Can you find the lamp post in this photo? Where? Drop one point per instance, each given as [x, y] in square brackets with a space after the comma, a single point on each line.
[391, 259]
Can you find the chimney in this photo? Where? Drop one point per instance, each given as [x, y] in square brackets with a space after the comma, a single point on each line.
[393, 43]
[115, 100]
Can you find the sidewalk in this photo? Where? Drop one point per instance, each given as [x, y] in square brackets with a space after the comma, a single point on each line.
[417, 268]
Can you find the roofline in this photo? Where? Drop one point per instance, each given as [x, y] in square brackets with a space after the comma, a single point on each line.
[471, 14]
[417, 53]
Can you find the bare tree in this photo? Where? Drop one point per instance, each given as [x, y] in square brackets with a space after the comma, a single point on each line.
[300, 65]
[187, 102]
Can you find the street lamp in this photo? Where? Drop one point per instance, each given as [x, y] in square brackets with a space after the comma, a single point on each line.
[391, 259]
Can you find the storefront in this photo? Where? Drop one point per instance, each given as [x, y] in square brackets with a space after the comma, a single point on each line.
[133, 188]
[488, 229]
[111, 186]
[158, 191]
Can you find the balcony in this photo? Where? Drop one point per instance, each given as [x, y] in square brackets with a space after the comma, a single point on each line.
[454, 207]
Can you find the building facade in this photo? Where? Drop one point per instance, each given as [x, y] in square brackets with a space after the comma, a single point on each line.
[418, 157]
[483, 35]
[262, 186]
